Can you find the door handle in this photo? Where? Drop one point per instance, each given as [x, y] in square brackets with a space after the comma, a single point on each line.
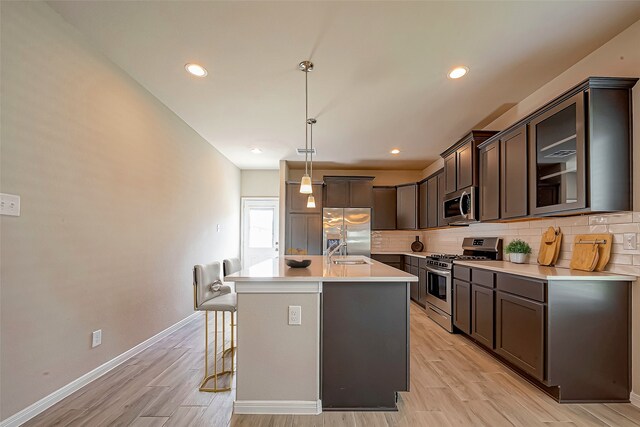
[464, 194]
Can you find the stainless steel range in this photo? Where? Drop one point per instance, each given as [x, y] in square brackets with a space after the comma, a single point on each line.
[440, 270]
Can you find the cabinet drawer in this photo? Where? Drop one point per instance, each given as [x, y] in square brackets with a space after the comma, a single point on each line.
[522, 286]
[462, 273]
[422, 263]
[483, 278]
[415, 261]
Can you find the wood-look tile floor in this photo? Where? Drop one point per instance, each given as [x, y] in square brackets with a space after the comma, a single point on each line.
[453, 383]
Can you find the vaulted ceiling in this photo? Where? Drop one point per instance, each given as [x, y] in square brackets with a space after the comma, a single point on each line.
[380, 78]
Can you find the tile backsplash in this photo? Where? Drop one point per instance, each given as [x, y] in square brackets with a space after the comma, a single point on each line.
[450, 239]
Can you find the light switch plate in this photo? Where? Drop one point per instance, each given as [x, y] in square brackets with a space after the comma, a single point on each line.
[630, 241]
[9, 204]
[96, 338]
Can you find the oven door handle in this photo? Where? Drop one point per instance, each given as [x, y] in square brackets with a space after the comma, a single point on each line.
[438, 271]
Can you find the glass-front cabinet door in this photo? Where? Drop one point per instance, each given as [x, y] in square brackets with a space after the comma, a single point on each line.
[557, 153]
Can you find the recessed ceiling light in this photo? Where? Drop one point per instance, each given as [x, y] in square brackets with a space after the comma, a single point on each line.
[196, 70]
[256, 151]
[395, 151]
[458, 72]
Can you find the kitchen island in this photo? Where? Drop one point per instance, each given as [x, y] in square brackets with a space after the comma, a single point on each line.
[333, 336]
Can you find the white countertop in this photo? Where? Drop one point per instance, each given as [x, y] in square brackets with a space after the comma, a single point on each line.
[408, 253]
[545, 273]
[275, 270]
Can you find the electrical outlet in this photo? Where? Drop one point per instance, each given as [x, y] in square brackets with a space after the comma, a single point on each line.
[630, 241]
[9, 204]
[295, 315]
[219, 228]
[96, 338]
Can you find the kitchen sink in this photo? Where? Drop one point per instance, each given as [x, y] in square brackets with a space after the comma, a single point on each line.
[350, 260]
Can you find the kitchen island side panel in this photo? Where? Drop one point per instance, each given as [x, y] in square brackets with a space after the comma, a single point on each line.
[365, 345]
[278, 361]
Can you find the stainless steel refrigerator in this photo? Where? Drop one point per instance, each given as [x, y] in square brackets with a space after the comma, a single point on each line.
[353, 225]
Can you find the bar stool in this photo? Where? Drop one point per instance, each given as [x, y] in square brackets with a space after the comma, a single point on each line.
[210, 294]
[231, 265]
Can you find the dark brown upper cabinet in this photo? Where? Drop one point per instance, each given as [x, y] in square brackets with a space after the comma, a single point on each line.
[423, 204]
[513, 170]
[348, 192]
[361, 193]
[490, 181]
[461, 161]
[558, 157]
[384, 208]
[442, 221]
[297, 202]
[450, 168]
[571, 156]
[303, 235]
[336, 193]
[407, 205]
[465, 166]
[430, 201]
[580, 149]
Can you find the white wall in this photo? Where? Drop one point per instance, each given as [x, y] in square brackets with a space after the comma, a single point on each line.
[120, 198]
[260, 183]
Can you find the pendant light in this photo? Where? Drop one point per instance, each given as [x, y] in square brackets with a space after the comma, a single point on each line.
[311, 201]
[305, 182]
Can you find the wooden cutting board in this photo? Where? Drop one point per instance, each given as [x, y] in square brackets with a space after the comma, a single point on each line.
[550, 246]
[590, 256]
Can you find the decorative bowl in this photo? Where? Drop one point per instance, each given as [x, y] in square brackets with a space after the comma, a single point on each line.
[298, 263]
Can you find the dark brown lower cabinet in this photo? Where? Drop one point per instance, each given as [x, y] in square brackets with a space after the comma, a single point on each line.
[571, 338]
[415, 287]
[482, 322]
[392, 260]
[462, 305]
[520, 331]
[422, 284]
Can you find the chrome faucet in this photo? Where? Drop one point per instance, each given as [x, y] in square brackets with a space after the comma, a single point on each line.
[336, 248]
[341, 244]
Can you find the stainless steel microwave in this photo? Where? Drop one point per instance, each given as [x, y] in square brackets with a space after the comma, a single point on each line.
[460, 207]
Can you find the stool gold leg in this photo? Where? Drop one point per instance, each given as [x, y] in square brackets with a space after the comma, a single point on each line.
[232, 343]
[206, 344]
[215, 374]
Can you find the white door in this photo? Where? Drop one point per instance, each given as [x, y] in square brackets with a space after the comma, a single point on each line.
[259, 230]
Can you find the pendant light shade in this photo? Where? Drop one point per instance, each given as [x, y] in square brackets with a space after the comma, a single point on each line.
[305, 184]
[311, 201]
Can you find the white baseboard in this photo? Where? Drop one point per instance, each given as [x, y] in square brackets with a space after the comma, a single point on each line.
[277, 407]
[635, 399]
[45, 403]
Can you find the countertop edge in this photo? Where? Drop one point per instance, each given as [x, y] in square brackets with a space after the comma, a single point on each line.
[563, 274]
